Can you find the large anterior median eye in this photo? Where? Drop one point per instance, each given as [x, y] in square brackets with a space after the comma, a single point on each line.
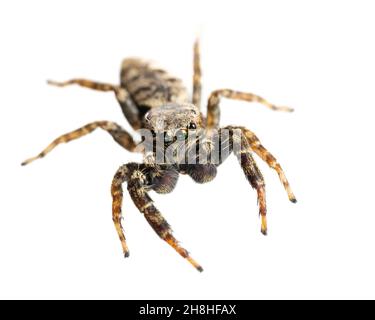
[192, 126]
[181, 134]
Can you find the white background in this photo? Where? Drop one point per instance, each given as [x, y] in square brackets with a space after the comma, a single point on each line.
[57, 239]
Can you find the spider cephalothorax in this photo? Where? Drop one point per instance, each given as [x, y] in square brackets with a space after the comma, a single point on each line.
[172, 117]
[175, 138]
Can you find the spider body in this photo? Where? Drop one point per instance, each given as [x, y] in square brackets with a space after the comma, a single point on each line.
[177, 139]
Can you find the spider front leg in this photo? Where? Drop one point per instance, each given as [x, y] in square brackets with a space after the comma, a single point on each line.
[233, 140]
[213, 110]
[255, 177]
[121, 136]
[135, 175]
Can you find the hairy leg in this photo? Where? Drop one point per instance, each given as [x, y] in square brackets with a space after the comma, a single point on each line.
[197, 86]
[232, 140]
[255, 177]
[117, 194]
[94, 85]
[121, 136]
[266, 156]
[255, 145]
[213, 110]
[128, 107]
[134, 174]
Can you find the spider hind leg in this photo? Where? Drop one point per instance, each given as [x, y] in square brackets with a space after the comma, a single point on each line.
[128, 107]
[197, 86]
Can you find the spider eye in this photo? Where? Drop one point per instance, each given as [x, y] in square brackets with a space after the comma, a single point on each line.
[181, 134]
[192, 126]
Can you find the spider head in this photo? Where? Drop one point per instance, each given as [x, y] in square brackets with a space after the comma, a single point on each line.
[174, 120]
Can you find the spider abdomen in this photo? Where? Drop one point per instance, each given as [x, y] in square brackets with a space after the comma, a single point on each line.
[150, 86]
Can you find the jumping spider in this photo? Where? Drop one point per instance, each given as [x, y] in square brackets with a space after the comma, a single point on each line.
[152, 99]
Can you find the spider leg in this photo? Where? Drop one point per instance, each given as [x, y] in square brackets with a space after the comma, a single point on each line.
[233, 140]
[117, 195]
[255, 177]
[266, 156]
[94, 85]
[197, 87]
[213, 110]
[134, 174]
[121, 136]
[128, 107]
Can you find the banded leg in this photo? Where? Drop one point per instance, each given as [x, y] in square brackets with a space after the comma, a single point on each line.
[197, 87]
[100, 86]
[240, 147]
[134, 174]
[213, 110]
[117, 194]
[266, 156]
[128, 107]
[121, 136]
[255, 177]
